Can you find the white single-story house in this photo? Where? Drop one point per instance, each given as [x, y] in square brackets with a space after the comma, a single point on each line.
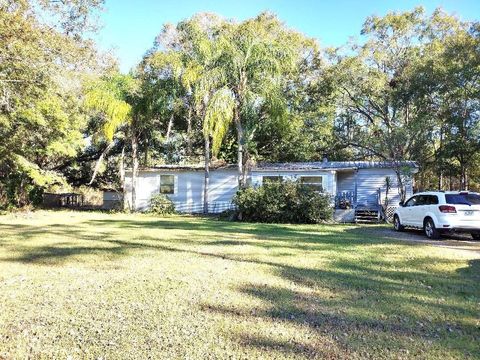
[352, 184]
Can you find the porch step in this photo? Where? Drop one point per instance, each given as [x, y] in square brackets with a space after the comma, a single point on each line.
[367, 216]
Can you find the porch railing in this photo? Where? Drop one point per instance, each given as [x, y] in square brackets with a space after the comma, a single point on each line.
[345, 200]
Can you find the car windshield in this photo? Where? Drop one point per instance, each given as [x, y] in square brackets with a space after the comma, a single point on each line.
[463, 199]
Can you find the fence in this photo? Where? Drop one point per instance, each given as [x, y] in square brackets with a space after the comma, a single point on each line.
[214, 207]
[388, 212]
[94, 200]
[68, 200]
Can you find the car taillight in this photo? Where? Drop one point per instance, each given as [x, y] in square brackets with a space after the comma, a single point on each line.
[447, 209]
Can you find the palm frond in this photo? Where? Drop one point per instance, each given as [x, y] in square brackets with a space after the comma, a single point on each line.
[218, 117]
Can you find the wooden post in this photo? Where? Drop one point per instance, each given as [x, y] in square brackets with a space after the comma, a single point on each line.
[355, 195]
[207, 174]
[134, 140]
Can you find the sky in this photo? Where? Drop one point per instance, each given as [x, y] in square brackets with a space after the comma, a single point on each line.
[129, 27]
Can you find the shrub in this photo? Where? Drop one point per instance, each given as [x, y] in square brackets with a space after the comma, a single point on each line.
[160, 204]
[283, 202]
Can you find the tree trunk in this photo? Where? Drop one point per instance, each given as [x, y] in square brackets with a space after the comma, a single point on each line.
[440, 150]
[463, 177]
[466, 178]
[240, 143]
[169, 128]
[189, 132]
[207, 174]
[122, 177]
[145, 155]
[400, 185]
[134, 140]
[99, 162]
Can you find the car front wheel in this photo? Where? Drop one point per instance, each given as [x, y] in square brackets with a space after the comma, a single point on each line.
[430, 229]
[397, 225]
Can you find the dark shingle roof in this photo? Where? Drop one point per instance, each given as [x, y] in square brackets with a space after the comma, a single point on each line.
[311, 165]
[333, 165]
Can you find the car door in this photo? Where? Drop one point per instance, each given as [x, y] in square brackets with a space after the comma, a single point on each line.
[419, 210]
[407, 211]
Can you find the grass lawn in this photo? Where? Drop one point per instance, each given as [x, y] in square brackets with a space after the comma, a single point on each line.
[90, 285]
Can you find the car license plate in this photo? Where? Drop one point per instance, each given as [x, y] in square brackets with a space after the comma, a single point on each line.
[468, 212]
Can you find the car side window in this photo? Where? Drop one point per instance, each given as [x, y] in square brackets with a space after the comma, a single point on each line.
[421, 200]
[432, 200]
[411, 202]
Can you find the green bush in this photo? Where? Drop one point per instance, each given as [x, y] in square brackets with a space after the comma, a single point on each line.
[283, 202]
[160, 204]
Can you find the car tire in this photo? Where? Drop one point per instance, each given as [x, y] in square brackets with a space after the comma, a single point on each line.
[397, 225]
[475, 236]
[430, 230]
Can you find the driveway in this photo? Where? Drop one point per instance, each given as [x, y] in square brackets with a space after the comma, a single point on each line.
[455, 241]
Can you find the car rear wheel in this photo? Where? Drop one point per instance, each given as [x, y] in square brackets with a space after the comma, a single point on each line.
[475, 236]
[430, 230]
[397, 225]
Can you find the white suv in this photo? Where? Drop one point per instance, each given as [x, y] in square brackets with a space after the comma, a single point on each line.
[438, 212]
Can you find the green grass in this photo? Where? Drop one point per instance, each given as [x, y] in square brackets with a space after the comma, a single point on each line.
[91, 285]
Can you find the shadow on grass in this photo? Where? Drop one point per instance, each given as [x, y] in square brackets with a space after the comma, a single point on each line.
[372, 304]
[380, 313]
[119, 237]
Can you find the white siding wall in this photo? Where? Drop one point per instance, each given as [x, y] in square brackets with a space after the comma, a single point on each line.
[188, 196]
[345, 181]
[370, 180]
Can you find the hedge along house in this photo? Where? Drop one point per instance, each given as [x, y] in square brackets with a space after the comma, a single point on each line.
[358, 188]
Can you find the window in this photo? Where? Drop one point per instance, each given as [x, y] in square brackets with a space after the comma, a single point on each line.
[167, 184]
[463, 199]
[432, 200]
[422, 200]
[313, 182]
[412, 201]
[273, 178]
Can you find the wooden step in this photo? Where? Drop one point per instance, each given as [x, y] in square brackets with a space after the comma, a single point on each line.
[367, 216]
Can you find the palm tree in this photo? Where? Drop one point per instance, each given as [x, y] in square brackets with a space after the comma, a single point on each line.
[204, 81]
[256, 55]
[108, 97]
[213, 105]
[217, 120]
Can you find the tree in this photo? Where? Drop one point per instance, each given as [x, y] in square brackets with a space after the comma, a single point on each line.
[257, 55]
[187, 56]
[380, 113]
[107, 97]
[218, 117]
[41, 117]
[456, 84]
[411, 92]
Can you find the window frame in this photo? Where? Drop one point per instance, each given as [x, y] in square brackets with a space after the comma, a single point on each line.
[313, 185]
[170, 192]
[413, 199]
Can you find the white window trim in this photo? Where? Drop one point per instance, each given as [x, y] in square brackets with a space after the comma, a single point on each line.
[175, 184]
[323, 183]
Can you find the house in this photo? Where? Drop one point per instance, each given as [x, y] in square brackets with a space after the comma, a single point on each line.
[354, 185]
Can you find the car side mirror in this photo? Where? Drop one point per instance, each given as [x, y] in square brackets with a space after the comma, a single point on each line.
[401, 203]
